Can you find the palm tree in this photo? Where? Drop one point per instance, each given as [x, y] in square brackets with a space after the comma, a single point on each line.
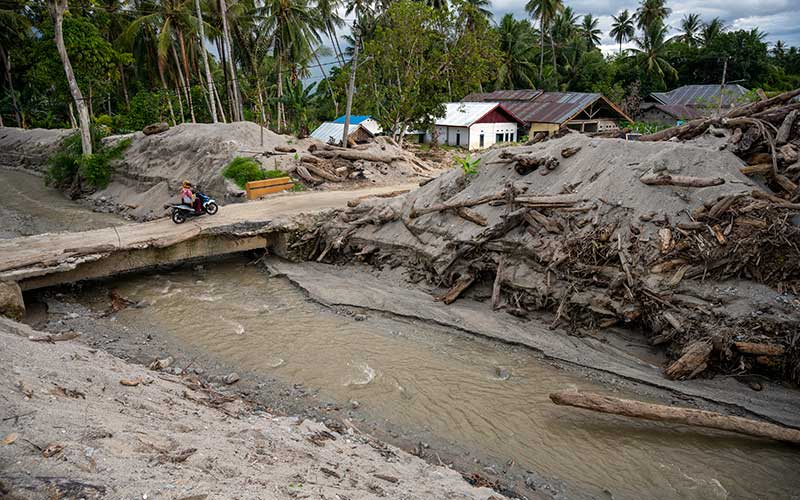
[690, 25]
[14, 29]
[564, 28]
[299, 99]
[516, 46]
[57, 9]
[622, 30]
[590, 32]
[651, 12]
[712, 30]
[327, 11]
[649, 52]
[292, 29]
[482, 6]
[779, 50]
[545, 11]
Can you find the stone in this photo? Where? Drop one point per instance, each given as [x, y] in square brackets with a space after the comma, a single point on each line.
[231, 378]
[155, 128]
[360, 317]
[11, 302]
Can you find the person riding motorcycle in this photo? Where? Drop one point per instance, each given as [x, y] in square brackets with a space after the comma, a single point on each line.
[188, 197]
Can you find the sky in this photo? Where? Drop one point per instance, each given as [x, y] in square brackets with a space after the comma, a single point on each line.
[778, 18]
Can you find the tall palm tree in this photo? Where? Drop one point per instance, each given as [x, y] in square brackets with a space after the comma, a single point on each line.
[590, 32]
[292, 28]
[482, 6]
[545, 11]
[779, 50]
[712, 30]
[690, 26]
[564, 28]
[622, 30]
[331, 20]
[649, 52]
[651, 12]
[516, 46]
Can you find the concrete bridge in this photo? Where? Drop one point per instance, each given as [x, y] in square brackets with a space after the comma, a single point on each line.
[56, 258]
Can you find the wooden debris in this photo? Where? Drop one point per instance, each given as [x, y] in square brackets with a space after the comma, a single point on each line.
[758, 169]
[786, 127]
[461, 284]
[681, 180]
[330, 473]
[568, 152]
[472, 216]
[693, 360]
[178, 457]
[665, 239]
[130, 382]
[439, 207]
[10, 438]
[677, 415]
[534, 218]
[285, 149]
[60, 337]
[760, 349]
[497, 286]
[389, 479]
[70, 393]
[52, 450]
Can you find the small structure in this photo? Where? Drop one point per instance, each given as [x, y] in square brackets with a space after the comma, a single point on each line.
[331, 133]
[690, 102]
[366, 121]
[257, 189]
[549, 111]
[475, 125]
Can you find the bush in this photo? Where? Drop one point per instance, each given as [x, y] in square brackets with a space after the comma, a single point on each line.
[274, 174]
[243, 170]
[70, 162]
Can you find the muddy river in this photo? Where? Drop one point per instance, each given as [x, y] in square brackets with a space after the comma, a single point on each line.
[487, 396]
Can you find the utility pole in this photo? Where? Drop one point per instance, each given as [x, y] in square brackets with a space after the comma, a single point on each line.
[722, 86]
[350, 90]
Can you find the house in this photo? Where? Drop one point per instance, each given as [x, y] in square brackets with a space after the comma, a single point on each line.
[549, 111]
[474, 125]
[366, 121]
[331, 133]
[690, 102]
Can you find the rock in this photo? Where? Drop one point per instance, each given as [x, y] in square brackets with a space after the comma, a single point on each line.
[360, 317]
[11, 302]
[354, 404]
[160, 364]
[231, 378]
[155, 128]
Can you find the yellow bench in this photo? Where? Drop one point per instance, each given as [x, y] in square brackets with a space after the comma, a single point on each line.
[257, 189]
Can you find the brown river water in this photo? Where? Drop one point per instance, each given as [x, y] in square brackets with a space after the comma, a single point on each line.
[485, 395]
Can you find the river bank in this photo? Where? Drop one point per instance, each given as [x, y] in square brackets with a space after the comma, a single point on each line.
[429, 389]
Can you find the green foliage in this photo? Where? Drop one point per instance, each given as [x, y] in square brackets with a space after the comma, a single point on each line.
[242, 170]
[468, 164]
[274, 174]
[297, 188]
[644, 128]
[96, 169]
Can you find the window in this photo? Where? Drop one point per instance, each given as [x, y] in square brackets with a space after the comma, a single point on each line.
[480, 139]
[458, 139]
[498, 138]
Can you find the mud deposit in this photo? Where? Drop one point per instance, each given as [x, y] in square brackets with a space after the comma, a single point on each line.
[436, 385]
[29, 207]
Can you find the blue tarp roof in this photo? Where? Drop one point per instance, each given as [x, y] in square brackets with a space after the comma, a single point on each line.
[354, 119]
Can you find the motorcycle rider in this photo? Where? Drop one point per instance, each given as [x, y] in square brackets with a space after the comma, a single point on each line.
[188, 197]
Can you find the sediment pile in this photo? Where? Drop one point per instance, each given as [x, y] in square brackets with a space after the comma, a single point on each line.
[668, 237]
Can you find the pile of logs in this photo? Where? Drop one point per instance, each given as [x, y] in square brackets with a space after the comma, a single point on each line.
[765, 134]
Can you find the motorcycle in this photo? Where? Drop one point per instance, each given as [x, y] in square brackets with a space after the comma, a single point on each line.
[182, 211]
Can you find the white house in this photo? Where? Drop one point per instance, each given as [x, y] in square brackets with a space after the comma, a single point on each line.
[475, 125]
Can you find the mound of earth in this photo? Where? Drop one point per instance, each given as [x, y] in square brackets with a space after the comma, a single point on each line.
[29, 149]
[78, 423]
[668, 237]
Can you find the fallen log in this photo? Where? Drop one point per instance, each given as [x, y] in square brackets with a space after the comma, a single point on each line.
[497, 286]
[759, 169]
[691, 129]
[676, 415]
[568, 152]
[439, 207]
[285, 149]
[304, 174]
[760, 349]
[534, 217]
[786, 127]
[681, 180]
[320, 171]
[355, 155]
[753, 108]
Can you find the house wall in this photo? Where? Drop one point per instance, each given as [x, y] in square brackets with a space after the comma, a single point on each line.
[489, 132]
[655, 115]
[448, 135]
[550, 128]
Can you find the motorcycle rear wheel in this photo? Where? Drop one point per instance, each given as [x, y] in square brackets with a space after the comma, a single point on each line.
[212, 208]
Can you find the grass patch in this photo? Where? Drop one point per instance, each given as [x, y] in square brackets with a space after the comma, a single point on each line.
[242, 170]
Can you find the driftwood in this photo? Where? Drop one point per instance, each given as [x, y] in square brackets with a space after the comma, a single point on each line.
[460, 285]
[753, 108]
[759, 349]
[304, 174]
[676, 415]
[355, 155]
[285, 149]
[320, 171]
[693, 360]
[681, 180]
[568, 152]
[472, 216]
[499, 277]
[786, 127]
[527, 163]
[534, 218]
[758, 169]
[439, 207]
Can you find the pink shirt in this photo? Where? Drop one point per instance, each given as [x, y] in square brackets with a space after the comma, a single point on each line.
[186, 195]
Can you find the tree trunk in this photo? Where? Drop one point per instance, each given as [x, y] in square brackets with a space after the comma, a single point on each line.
[237, 97]
[541, 49]
[209, 78]
[222, 117]
[553, 50]
[182, 84]
[124, 87]
[57, 9]
[677, 415]
[260, 101]
[281, 116]
[72, 122]
[7, 70]
[350, 89]
[180, 102]
[221, 50]
[166, 91]
[335, 45]
[188, 75]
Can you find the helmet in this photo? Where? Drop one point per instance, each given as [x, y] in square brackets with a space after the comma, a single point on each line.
[187, 184]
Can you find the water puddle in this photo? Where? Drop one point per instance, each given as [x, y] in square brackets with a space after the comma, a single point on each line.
[482, 394]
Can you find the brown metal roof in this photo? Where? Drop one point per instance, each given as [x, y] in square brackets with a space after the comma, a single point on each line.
[701, 95]
[678, 111]
[503, 95]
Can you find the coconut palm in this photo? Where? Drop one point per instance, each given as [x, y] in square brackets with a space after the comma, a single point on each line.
[690, 26]
[482, 6]
[14, 29]
[779, 50]
[622, 30]
[545, 11]
[712, 30]
[292, 29]
[331, 20]
[649, 52]
[517, 39]
[651, 12]
[299, 99]
[590, 32]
